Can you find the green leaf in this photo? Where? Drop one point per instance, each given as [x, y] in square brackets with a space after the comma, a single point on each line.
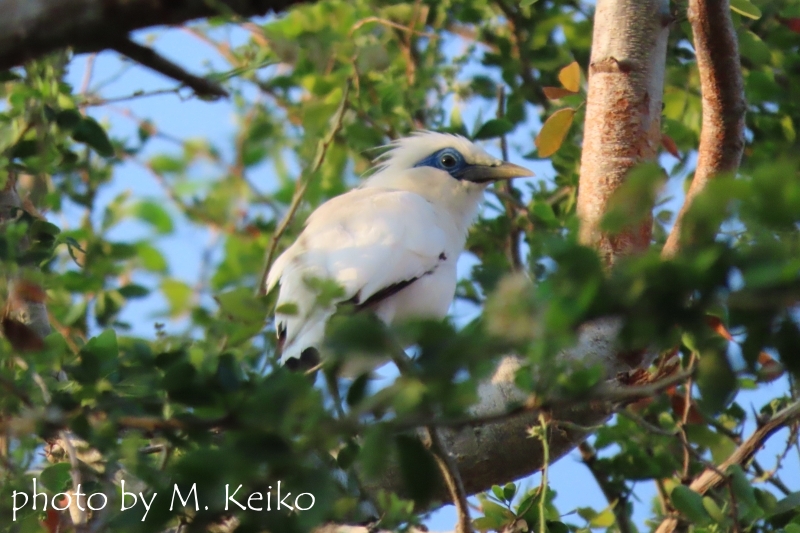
[509, 491]
[495, 127]
[373, 456]
[690, 504]
[553, 132]
[104, 346]
[713, 510]
[132, 291]
[347, 455]
[496, 512]
[542, 212]
[89, 132]
[498, 492]
[178, 294]
[9, 75]
[154, 214]
[745, 495]
[357, 390]
[716, 380]
[163, 164]
[68, 119]
[789, 503]
[554, 526]
[746, 9]
[418, 469]
[241, 305]
[604, 518]
[150, 258]
[56, 478]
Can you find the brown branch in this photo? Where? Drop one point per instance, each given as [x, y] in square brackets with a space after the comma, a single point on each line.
[721, 86]
[452, 478]
[447, 464]
[713, 477]
[29, 30]
[150, 58]
[613, 496]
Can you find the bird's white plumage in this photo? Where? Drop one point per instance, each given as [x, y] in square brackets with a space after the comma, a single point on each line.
[404, 223]
[363, 241]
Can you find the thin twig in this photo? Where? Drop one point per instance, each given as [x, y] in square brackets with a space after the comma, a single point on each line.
[617, 500]
[150, 58]
[508, 191]
[769, 477]
[384, 22]
[87, 74]
[452, 477]
[446, 463]
[92, 101]
[543, 424]
[687, 405]
[300, 189]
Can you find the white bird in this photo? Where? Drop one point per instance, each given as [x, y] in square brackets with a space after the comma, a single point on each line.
[392, 244]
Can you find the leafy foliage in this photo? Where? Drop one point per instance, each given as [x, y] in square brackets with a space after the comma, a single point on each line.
[206, 404]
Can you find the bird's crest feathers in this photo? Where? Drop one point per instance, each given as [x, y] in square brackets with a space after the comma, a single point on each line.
[406, 152]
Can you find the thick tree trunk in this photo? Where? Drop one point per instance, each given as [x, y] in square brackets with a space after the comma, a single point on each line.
[623, 113]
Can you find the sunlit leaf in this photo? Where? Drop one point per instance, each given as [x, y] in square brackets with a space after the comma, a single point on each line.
[570, 77]
[553, 132]
[746, 9]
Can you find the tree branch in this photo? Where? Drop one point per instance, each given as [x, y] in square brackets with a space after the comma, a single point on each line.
[613, 495]
[29, 30]
[152, 59]
[712, 477]
[722, 89]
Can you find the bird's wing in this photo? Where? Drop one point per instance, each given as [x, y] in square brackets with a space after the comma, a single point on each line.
[372, 242]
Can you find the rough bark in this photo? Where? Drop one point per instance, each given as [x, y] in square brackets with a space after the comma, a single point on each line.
[32, 28]
[722, 89]
[623, 113]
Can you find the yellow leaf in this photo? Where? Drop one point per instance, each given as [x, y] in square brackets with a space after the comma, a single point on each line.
[604, 519]
[570, 77]
[553, 131]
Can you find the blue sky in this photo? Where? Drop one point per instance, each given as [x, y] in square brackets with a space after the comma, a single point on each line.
[193, 118]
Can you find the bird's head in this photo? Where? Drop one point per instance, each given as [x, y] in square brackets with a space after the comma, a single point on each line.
[446, 169]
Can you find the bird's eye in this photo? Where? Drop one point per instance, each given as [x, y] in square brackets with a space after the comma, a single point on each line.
[448, 161]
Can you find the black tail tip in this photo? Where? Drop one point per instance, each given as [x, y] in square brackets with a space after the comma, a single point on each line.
[309, 358]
